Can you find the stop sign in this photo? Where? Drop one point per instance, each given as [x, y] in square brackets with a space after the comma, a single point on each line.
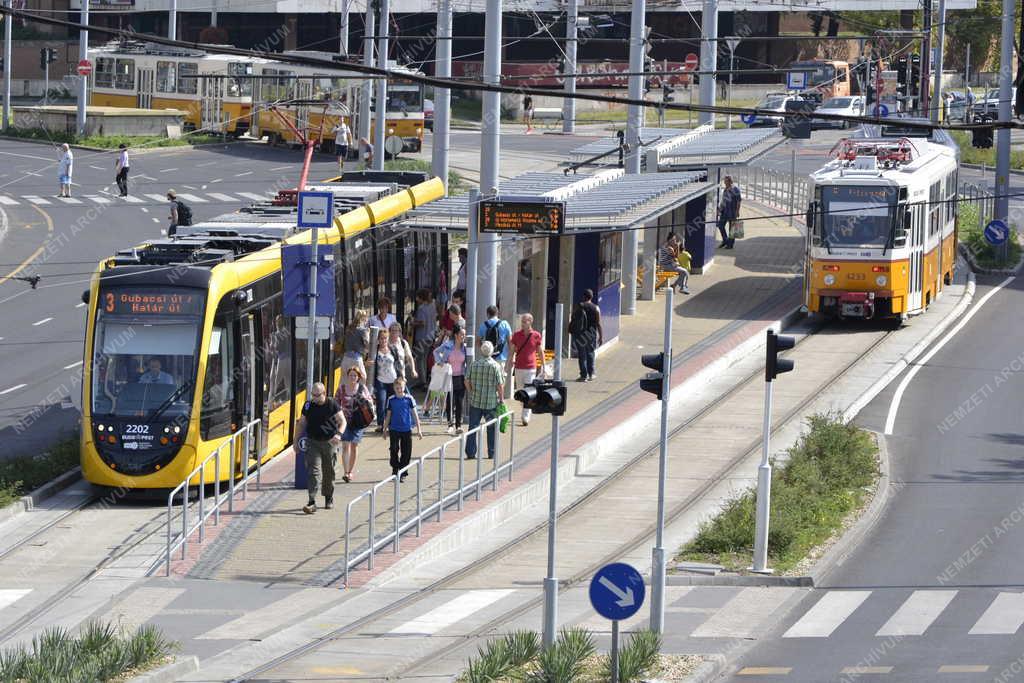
[691, 61]
[84, 67]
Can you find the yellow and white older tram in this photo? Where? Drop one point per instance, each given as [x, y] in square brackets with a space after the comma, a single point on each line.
[215, 91]
[881, 238]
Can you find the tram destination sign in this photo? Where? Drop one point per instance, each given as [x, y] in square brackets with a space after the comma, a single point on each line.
[522, 217]
[151, 302]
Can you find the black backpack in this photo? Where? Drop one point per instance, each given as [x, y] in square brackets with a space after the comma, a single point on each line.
[492, 336]
[184, 213]
[580, 321]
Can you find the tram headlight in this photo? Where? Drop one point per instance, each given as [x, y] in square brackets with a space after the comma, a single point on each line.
[99, 428]
[881, 280]
[830, 279]
[177, 429]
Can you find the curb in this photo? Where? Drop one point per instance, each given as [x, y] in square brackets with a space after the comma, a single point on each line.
[741, 580]
[47, 490]
[168, 673]
[712, 667]
[135, 150]
[969, 257]
[979, 167]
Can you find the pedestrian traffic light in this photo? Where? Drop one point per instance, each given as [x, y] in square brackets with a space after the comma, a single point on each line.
[775, 366]
[667, 92]
[654, 382]
[543, 396]
[981, 138]
[51, 54]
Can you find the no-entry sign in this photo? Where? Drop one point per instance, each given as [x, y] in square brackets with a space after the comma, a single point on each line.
[84, 67]
[692, 61]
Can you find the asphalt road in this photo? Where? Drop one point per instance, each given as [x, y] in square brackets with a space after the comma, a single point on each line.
[935, 590]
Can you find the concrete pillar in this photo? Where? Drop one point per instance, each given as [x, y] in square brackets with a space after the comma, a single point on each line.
[650, 251]
[291, 34]
[509, 250]
[566, 266]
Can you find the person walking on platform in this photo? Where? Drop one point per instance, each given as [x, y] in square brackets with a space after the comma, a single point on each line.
[424, 325]
[668, 260]
[528, 113]
[342, 141]
[496, 331]
[384, 318]
[728, 211]
[398, 425]
[64, 169]
[485, 387]
[386, 368]
[527, 356]
[587, 334]
[122, 170]
[323, 423]
[356, 342]
[405, 364]
[453, 351]
[356, 403]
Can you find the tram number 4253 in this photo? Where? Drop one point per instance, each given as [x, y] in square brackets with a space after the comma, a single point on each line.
[855, 276]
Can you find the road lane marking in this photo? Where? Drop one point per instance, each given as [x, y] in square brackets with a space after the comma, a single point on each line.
[130, 199]
[78, 362]
[14, 388]
[10, 201]
[157, 220]
[272, 617]
[1003, 617]
[103, 200]
[46, 320]
[827, 614]
[453, 611]
[890, 420]
[168, 170]
[160, 198]
[960, 668]
[188, 187]
[100, 168]
[72, 200]
[763, 670]
[239, 175]
[9, 596]
[197, 200]
[216, 180]
[223, 198]
[253, 196]
[144, 209]
[917, 613]
[211, 163]
[742, 615]
[37, 200]
[281, 168]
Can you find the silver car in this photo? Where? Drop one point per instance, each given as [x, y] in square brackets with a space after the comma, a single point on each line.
[839, 106]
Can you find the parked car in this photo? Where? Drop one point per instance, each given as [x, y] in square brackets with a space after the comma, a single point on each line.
[428, 114]
[957, 107]
[839, 106]
[987, 108]
[774, 102]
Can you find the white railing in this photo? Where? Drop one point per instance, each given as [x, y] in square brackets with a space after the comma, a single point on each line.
[983, 197]
[444, 499]
[189, 526]
[778, 189]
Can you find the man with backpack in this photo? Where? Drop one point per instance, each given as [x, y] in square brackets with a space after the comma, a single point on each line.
[587, 335]
[496, 331]
[181, 213]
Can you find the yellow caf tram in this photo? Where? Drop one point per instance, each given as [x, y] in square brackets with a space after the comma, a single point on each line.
[881, 238]
[215, 91]
[186, 341]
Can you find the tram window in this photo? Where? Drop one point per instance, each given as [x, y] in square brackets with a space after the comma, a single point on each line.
[277, 354]
[300, 365]
[861, 216]
[124, 74]
[188, 86]
[165, 76]
[241, 87]
[609, 259]
[104, 72]
[218, 391]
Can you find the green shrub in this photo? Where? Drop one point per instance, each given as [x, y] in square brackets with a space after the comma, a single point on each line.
[972, 235]
[111, 141]
[23, 473]
[523, 647]
[637, 657]
[563, 662]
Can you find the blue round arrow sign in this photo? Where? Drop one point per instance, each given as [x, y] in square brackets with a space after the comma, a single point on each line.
[996, 232]
[617, 591]
[883, 110]
[749, 119]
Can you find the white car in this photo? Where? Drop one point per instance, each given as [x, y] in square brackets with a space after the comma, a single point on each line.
[840, 106]
[773, 102]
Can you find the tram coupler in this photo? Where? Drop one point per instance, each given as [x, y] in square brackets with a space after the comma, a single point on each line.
[857, 305]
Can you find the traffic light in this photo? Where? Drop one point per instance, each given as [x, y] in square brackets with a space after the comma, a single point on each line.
[981, 138]
[654, 382]
[915, 75]
[667, 92]
[51, 54]
[774, 366]
[44, 57]
[543, 396]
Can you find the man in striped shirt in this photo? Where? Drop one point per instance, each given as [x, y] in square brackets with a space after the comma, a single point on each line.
[485, 386]
[122, 169]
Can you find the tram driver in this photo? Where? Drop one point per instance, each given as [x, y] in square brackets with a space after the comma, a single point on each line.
[154, 375]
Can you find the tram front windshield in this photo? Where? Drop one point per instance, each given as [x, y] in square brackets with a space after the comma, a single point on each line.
[857, 216]
[405, 101]
[144, 352]
[817, 73]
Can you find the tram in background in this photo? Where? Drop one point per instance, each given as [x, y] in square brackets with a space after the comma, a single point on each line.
[881, 237]
[186, 341]
[824, 79]
[145, 75]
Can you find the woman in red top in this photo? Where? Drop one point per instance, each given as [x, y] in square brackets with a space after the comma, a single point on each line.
[527, 356]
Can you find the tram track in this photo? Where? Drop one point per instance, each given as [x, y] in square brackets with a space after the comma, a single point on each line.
[564, 515]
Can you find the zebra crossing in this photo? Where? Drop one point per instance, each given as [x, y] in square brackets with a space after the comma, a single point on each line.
[143, 199]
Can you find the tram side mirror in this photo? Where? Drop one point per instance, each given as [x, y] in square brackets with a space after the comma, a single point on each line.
[85, 297]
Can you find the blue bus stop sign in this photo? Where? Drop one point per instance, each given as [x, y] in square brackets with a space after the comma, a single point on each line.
[996, 232]
[883, 110]
[749, 119]
[617, 591]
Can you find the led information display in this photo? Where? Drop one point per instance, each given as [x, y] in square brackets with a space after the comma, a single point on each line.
[148, 301]
[522, 217]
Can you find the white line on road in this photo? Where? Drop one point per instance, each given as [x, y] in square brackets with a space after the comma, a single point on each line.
[281, 168]
[239, 175]
[223, 197]
[77, 363]
[146, 177]
[157, 220]
[827, 614]
[211, 163]
[42, 322]
[104, 200]
[72, 200]
[100, 168]
[916, 614]
[160, 198]
[188, 187]
[11, 201]
[145, 210]
[14, 388]
[37, 200]
[168, 170]
[132, 200]
[216, 180]
[198, 200]
[253, 196]
[1003, 617]
[452, 611]
[894, 407]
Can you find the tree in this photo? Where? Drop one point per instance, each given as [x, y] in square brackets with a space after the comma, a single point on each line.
[978, 28]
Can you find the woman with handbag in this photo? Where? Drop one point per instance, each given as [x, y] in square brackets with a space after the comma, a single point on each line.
[357, 405]
[453, 352]
[357, 342]
[405, 364]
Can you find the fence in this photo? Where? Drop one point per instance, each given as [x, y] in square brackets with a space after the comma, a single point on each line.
[981, 197]
[788, 193]
[203, 512]
[446, 496]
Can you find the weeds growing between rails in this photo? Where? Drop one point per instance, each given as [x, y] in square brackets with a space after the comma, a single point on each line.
[111, 141]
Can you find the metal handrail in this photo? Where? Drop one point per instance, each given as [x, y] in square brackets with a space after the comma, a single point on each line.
[180, 540]
[399, 526]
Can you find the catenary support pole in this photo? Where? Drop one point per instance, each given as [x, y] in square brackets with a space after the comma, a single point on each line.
[658, 553]
[490, 150]
[369, 28]
[732, 67]
[442, 96]
[380, 122]
[8, 67]
[926, 50]
[550, 582]
[1002, 201]
[172, 21]
[634, 114]
[83, 81]
[571, 34]
[764, 488]
[940, 45]
[472, 261]
[792, 180]
[346, 7]
[708, 59]
[967, 68]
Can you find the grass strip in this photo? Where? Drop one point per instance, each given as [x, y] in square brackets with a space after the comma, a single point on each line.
[972, 155]
[111, 141]
[830, 471]
[971, 231]
[456, 183]
[22, 473]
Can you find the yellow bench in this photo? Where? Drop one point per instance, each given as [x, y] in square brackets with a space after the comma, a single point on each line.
[661, 277]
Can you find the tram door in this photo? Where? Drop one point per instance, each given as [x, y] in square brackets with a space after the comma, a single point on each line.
[248, 395]
[916, 259]
[145, 88]
[212, 106]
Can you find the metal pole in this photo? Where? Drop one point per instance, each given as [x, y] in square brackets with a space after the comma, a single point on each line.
[967, 67]
[381, 109]
[550, 582]
[571, 33]
[1002, 201]
[939, 46]
[442, 96]
[369, 28]
[634, 124]
[792, 181]
[658, 553]
[311, 340]
[926, 57]
[46, 80]
[8, 67]
[490, 150]
[472, 264]
[343, 28]
[708, 59]
[732, 52]
[172, 21]
[615, 651]
[764, 489]
[83, 83]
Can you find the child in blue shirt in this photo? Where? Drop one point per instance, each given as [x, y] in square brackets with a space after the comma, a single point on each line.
[398, 422]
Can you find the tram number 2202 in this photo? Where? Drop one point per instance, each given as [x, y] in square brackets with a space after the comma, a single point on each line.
[136, 429]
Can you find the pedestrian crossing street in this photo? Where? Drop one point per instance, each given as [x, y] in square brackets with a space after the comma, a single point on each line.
[143, 199]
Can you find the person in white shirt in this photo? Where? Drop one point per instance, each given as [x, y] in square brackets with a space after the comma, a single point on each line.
[154, 375]
[122, 169]
[67, 161]
[342, 141]
[384, 318]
